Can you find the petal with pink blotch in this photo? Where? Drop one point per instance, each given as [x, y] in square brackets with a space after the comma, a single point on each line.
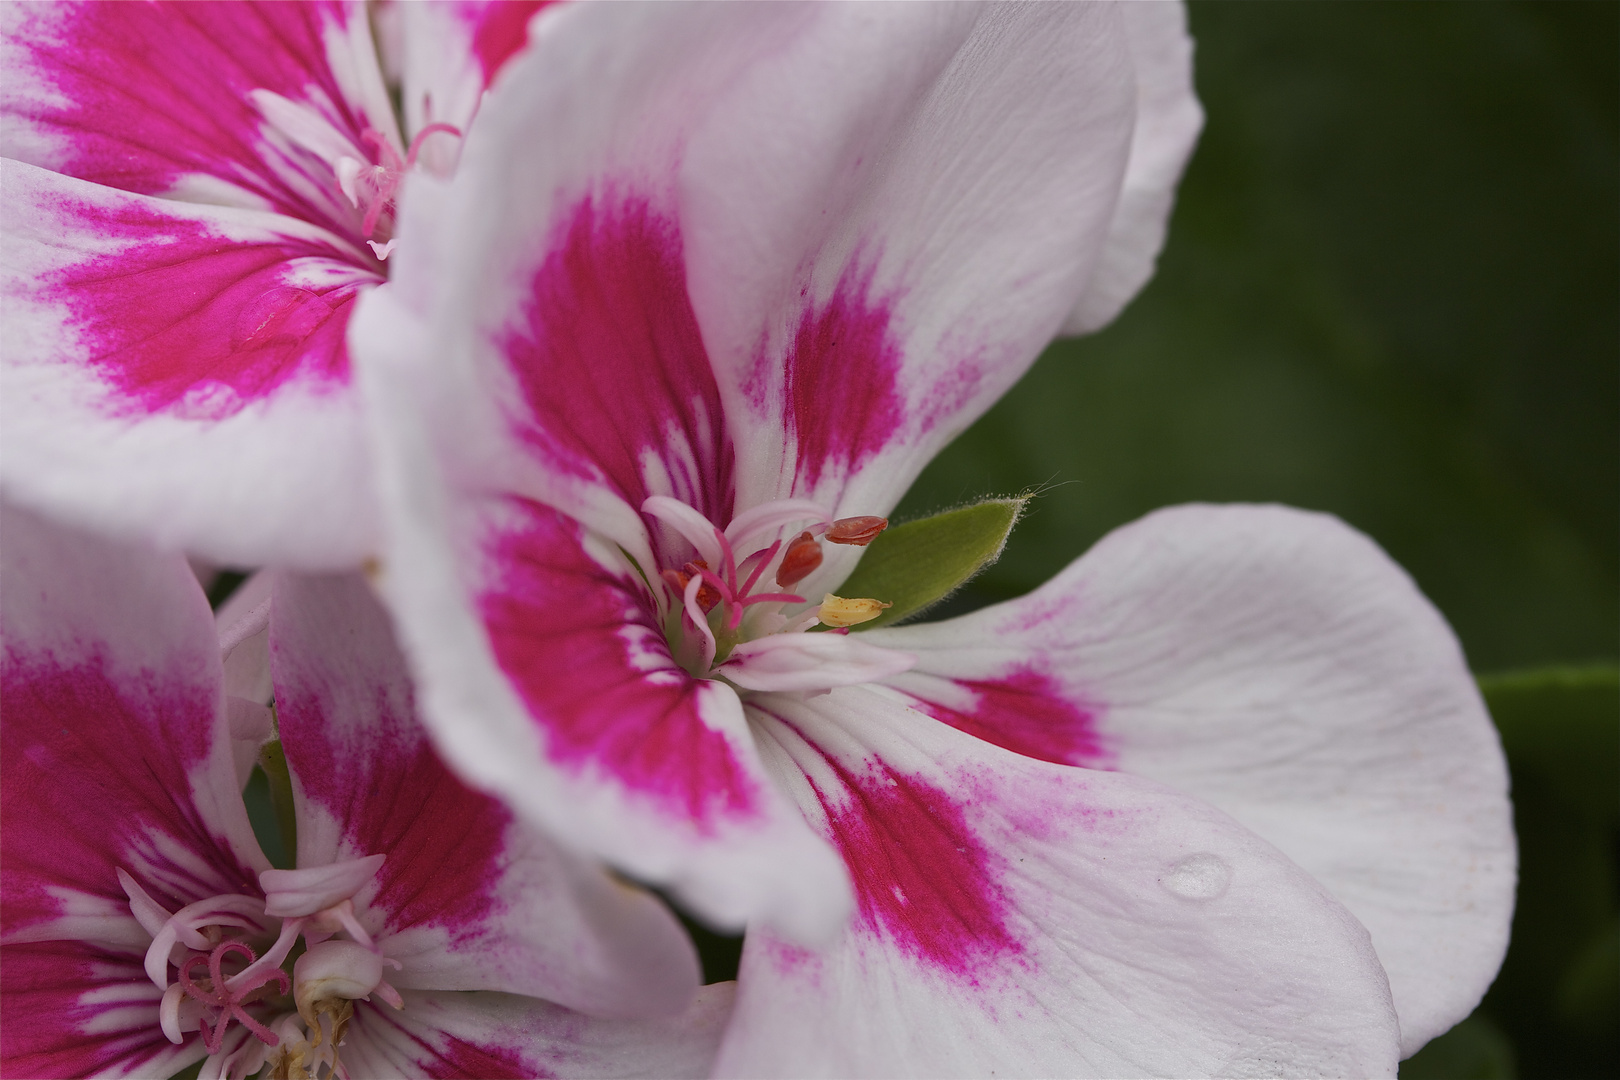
[178, 372]
[168, 99]
[537, 338]
[1029, 919]
[872, 273]
[1278, 665]
[116, 754]
[72, 1008]
[546, 679]
[556, 326]
[480, 1036]
[469, 897]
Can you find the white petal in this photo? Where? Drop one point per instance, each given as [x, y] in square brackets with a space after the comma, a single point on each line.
[1278, 665]
[1021, 918]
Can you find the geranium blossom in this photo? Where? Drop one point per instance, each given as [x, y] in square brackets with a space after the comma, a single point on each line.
[712, 287]
[195, 194]
[144, 929]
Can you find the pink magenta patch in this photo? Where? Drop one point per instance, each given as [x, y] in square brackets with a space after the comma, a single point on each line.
[95, 767]
[611, 362]
[563, 630]
[921, 875]
[458, 1059]
[503, 29]
[187, 322]
[843, 404]
[444, 842]
[1026, 712]
[50, 1031]
[136, 96]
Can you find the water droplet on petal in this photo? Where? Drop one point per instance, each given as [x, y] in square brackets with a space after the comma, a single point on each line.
[283, 315]
[1198, 877]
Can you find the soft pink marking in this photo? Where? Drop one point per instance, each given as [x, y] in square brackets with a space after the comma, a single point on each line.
[921, 875]
[503, 29]
[46, 1024]
[610, 359]
[842, 399]
[92, 766]
[557, 622]
[458, 1059]
[1025, 712]
[158, 91]
[185, 321]
[381, 780]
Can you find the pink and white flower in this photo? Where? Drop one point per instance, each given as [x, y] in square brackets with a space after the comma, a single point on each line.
[195, 195]
[1220, 800]
[143, 928]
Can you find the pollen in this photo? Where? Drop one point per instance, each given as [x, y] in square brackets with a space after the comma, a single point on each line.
[839, 611]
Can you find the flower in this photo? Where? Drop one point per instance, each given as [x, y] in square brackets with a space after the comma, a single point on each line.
[1220, 800]
[144, 930]
[195, 195]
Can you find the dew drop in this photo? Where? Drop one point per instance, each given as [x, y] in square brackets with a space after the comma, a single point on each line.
[280, 316]
[1198, 877]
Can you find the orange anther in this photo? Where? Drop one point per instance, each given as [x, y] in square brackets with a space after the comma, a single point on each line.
[856, 531]
[802, 556]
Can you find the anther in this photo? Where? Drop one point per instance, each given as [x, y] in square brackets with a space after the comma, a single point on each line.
[803, 555]
[856, 531]
[838, 611]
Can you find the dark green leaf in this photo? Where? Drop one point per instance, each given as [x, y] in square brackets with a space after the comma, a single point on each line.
[1473, 1050]
[921, 562]
[1563, 724]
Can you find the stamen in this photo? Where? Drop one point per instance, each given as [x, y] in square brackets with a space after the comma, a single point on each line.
[756, 564]
[838, 611]
[856, 531]
[801, 559]
[421, 137]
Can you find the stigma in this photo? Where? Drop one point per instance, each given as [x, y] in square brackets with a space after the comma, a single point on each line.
[738, 588]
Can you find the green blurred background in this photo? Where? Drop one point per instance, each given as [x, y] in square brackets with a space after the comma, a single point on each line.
[1390, 292]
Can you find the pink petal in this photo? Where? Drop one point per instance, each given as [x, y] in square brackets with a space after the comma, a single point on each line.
[116, 749]
[70, 1009]
[156, 98]
[1024, 918]
[468, 898]
[479, 1036]
[1278, 665]
[179, 373]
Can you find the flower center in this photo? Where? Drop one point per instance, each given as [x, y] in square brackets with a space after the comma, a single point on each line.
[219, 972]
[374, 186]
[222, 999]
[736, 589]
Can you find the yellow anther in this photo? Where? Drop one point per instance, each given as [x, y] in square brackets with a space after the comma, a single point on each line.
[837, 611]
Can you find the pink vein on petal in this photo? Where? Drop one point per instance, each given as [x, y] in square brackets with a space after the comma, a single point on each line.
[921, 874]
[444, 842]
[142, 95]
[611, 362]
[186, 321]
[82, 748]
[841, 380]
[585, 655]
[1026, 712]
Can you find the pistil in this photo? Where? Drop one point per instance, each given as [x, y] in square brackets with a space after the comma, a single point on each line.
[711, 597]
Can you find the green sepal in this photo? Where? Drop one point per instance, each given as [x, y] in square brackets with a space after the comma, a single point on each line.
[273, 760]
[915, 565]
